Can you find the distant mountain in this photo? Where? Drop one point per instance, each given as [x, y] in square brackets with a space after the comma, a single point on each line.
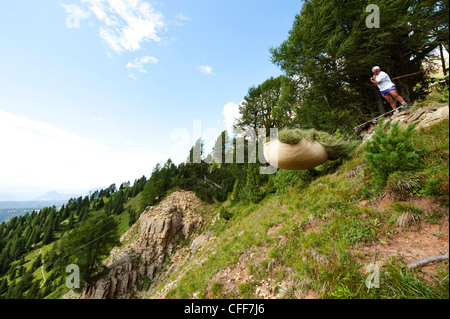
[32, 205]
[55, 196]
[11, 208]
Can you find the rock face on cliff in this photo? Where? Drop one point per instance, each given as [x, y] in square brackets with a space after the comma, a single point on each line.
[147, 244]
[423, 117]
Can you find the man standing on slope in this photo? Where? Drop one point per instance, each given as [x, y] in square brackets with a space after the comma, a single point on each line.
[387, 88]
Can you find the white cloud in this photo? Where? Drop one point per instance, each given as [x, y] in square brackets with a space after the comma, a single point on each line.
[231, 114]
[127, 23]
[139, 63]
[180, 18]
[206, 69]
[35, 154]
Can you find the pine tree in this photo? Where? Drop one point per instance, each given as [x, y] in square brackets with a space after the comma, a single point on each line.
[71, 223]
[389, 151]
[34, 291]
[37, 262]
[330, 50]
[48, 236]
[97, 236]
[3, 285]
[133, 218]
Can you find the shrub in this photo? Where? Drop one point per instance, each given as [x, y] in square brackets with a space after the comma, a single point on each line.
[217, 289]
[432, 188]
[390, 151]
[247, 290]
[254, 183]
[444, 97]
[406, 215]
[284, 178]
[225, 214]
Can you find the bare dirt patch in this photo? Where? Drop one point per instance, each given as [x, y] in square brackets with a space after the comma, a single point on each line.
[268, 287]
[231, 277]
[274, 230]
[422, 241]
[385, 201]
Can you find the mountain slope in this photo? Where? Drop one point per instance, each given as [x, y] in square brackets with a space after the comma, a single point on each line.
[55, 196]
[312, 239]
[149, 244]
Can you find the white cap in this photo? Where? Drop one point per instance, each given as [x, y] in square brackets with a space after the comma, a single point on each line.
[375, 68]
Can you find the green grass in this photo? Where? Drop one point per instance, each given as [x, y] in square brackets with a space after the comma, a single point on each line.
[321, 260]
[247, 228]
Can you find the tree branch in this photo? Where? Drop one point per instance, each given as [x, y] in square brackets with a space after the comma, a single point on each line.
[427, 261]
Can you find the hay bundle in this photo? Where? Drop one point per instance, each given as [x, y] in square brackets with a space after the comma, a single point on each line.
[298, 149]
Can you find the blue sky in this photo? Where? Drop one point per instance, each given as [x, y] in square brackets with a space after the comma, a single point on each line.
[95, 92]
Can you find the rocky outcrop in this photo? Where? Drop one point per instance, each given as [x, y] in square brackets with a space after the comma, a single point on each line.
[147, 244]
[422, 117]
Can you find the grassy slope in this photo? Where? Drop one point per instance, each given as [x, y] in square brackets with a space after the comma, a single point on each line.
[303, 239]
[306, 240]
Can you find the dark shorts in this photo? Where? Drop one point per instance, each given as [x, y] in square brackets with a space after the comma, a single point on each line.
[383, 93]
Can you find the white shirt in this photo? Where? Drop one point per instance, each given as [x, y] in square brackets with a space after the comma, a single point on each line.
[385, 80]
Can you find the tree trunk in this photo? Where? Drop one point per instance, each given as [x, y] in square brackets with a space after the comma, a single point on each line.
[444, 69]
[446, 46]
[404, 89]
[379, 100]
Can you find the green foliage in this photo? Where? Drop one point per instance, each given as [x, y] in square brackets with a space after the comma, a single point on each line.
[330, 50]
[403, 183]
[133, 217]
[270, 104]
[160, 181]
[440, 86]
[444, 96]
[17, 290]
[225, 214]
[283, 179]
[322, 230]
[402, 283]
[37, 263]
[89, 244]
[247, 290]
[432, 188]
[253, 183]
[389, 151]
[217, 289]
[343, 292]
[354, 228]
